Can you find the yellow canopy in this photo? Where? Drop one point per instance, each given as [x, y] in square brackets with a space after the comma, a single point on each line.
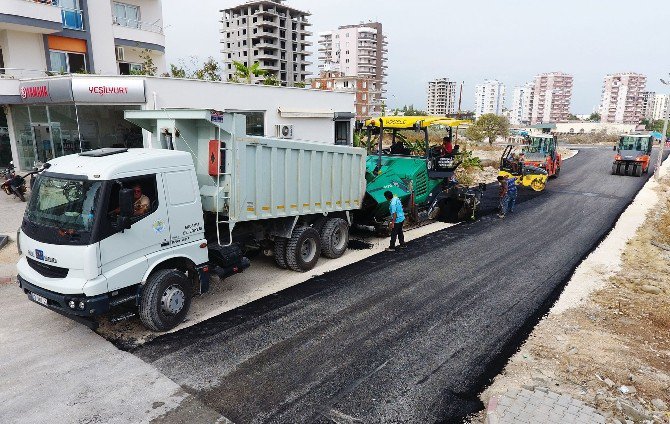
[409, 122]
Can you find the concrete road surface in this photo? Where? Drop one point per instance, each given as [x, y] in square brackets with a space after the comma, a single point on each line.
[411, 336]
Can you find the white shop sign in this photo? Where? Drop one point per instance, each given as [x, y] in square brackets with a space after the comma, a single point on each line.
[108, 90]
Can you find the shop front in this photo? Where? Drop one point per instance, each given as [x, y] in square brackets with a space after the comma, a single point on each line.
[63, 116]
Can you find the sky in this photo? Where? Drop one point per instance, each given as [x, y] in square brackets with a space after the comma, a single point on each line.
[470, 41]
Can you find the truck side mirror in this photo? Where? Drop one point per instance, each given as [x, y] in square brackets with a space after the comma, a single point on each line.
[614, 148]
[126, 201]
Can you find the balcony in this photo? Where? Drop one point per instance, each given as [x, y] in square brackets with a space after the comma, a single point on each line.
[42, 17]
[138, 31]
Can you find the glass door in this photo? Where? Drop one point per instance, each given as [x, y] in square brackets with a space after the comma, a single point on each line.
[57, 139]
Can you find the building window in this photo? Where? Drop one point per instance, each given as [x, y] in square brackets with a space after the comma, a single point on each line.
[255, 122]
[71, 14]
[126, 68]
[67, 62]
[127, 15]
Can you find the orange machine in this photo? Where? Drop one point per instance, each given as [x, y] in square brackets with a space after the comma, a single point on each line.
[633, 154]
[542, 152]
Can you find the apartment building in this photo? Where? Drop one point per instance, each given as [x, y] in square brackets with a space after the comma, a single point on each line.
[489, 98]
[353, 54]
[622, 100]
[552, 93]
[648, 104]
[367, 90]
[521, 104]
[661, 102]
[270, 33]
[52, 37]
[441, 97]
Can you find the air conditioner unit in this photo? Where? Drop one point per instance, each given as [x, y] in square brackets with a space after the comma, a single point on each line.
[120, 54]
[284, 131]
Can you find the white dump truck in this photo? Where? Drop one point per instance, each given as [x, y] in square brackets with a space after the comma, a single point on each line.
[126, 231]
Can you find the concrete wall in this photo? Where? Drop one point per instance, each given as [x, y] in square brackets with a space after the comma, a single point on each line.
[15, 45]
[178, 93]
[33, 10]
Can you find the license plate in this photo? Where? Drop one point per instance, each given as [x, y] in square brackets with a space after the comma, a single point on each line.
[39, 299]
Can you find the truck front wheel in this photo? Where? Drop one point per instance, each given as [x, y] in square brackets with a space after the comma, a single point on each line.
[303, 249]
[334, 238]
[166, 299]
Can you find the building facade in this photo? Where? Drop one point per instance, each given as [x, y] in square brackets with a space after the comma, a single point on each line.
[622, 100]
[60, 115]
[353, 54]
[489, 98]
[661, 102]
[441, 97]
[648, 104]
[552, 93]
[270, 33]
[49, 37]
[521, 105]
[367, 90]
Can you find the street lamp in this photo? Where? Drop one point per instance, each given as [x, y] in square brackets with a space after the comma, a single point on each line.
[663, 134]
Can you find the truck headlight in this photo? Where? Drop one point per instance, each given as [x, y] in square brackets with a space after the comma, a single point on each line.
[72, 304]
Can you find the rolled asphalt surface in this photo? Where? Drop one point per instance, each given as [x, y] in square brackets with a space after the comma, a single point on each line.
[397, 337]
[403, 337]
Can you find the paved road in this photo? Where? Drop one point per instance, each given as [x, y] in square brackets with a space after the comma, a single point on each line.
[401, 337]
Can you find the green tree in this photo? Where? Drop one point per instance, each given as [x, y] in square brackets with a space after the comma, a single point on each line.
[572, 117]
[271, 79]
[244, 73]
[595, 117]
[488, 126]
[655, 125]
[148, 66]
[410, 111]
[210, 71]
[300, 84]
[177, 71]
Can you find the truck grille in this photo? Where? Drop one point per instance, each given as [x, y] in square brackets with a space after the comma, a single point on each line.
[49, 271]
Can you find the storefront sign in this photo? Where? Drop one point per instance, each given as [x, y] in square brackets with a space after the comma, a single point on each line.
[108, 90]
[101, 90]
[46, 91]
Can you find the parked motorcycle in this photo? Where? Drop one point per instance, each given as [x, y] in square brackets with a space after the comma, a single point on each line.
[16, 185]
[8, 172]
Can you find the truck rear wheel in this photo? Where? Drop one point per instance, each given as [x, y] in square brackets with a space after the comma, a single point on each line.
[280, 252]
[615, 169]
[334, 238]
[166, 299]
[303, 249]
[637, 170]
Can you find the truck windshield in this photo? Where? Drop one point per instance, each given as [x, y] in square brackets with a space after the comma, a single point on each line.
[634, 143]
[64, 203]
[536, 145]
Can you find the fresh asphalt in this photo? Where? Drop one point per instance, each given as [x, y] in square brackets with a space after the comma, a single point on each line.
[411, 336]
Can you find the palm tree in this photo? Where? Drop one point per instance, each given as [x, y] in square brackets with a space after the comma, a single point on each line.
[246, 73]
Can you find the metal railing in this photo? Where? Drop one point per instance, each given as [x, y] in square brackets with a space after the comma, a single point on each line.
[46, 2]
[134, 23]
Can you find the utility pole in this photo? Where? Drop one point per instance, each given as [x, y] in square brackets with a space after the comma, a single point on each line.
[659, 161]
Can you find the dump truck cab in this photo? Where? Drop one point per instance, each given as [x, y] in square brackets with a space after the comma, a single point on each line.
[541, 151]
[633, 154]
[105, 227]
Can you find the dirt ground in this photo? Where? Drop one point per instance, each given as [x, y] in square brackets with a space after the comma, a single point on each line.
[613, 350]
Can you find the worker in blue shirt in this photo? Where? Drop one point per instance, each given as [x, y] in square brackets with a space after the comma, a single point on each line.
[397, 221]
